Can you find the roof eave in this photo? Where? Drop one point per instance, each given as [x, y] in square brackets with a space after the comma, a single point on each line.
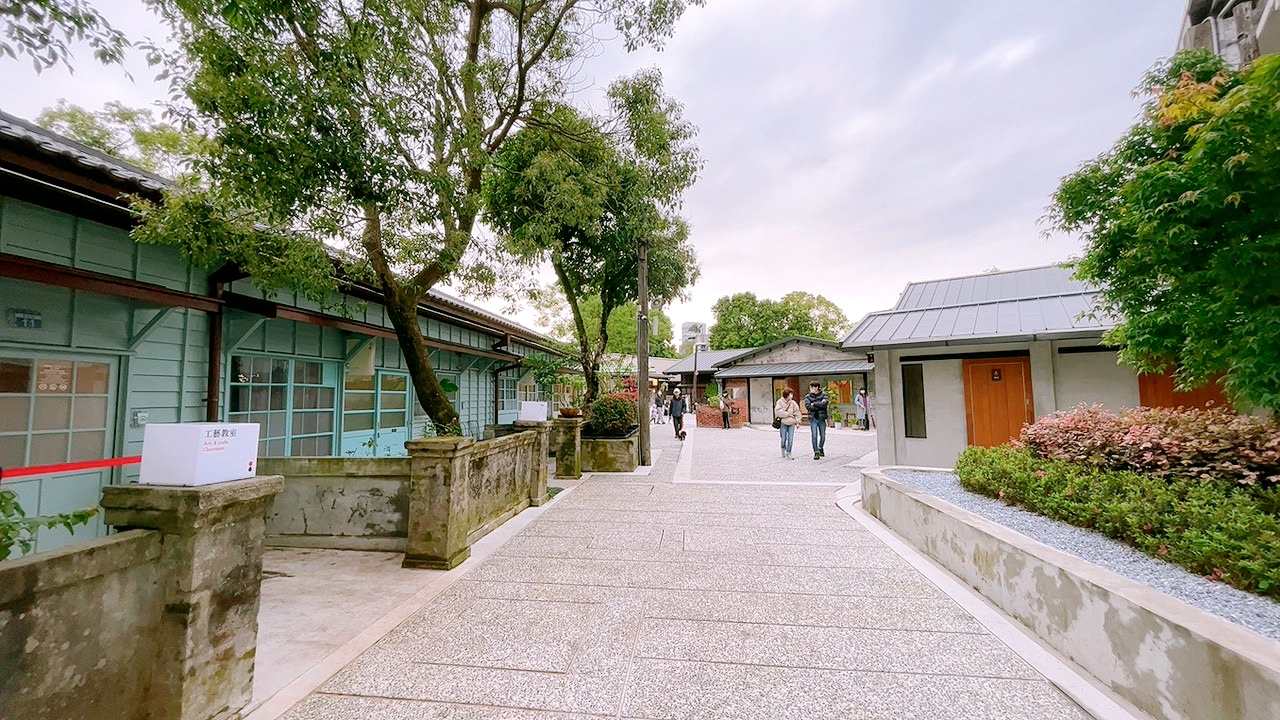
[1084, 333]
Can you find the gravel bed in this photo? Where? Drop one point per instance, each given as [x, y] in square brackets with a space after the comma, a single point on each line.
[1256, 613]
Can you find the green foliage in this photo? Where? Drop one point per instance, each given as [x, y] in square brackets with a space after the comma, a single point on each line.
[18, 530]
[1179, 221]
[42, 30]
[1212, 529]
[744, 320]
[589, 201]
[612, 415]
[555, 315]
[131, 134]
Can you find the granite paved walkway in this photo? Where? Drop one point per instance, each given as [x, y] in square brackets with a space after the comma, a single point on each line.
[637, 597]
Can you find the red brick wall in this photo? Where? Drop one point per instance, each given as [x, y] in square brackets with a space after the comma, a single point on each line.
[709, 415]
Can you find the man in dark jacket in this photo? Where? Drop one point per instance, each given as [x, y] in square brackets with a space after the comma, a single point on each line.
[816, 403]
[677, 411]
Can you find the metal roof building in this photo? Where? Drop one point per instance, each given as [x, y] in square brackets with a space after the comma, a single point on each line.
[1042, 303]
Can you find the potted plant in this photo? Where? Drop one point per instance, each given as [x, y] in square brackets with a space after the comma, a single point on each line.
[609, 440]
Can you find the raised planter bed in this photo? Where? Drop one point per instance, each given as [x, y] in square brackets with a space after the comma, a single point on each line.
[611, 454]
[1169, 659]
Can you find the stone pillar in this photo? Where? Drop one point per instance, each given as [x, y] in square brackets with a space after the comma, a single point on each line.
[569, 453]
[212, 544]
[538, 469]
[439, 472]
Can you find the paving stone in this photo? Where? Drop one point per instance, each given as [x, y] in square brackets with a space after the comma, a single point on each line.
[940, 615]
[327, 707]
[708, 576]
[903, 651]
[714, 691]
[677, 551]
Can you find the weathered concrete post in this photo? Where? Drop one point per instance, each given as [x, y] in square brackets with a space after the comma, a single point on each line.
[569, 452]
[212, 544]
[538, 479]
[439, 471]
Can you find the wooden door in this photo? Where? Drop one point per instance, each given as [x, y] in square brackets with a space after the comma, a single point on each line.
[997, 394]
[1156, 390]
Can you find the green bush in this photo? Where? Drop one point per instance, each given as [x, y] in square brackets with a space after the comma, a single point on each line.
[17, 530]
[612, 415]
[1210, 528]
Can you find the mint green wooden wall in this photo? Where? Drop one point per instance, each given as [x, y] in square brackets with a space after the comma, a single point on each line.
[164, 374]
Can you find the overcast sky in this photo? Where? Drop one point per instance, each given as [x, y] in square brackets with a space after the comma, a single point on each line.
[850, 146]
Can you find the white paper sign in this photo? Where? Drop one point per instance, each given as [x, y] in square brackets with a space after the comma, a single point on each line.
[198, 453]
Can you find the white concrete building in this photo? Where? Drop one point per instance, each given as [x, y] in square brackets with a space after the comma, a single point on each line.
[966, 361]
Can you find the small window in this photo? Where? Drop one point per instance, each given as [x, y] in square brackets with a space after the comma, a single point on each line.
[913, 400]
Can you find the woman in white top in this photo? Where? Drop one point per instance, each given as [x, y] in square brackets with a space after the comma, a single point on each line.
[787, 411]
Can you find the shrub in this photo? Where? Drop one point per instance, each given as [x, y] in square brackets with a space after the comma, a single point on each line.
[1165, 443]
[1210, 528]
[612, 415]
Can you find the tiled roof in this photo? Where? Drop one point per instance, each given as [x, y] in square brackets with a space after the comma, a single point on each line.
[1043, 303]
[707, 360]
[53, 144]
[817, 367]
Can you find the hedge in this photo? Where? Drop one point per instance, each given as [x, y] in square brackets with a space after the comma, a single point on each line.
[1220, 530]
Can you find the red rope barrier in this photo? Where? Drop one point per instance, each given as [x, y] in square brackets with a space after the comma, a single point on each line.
[10, 473]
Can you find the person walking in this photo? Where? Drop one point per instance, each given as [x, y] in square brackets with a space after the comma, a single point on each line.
[655, 412]
[677, 411]
[816, 403]
[725, 406]
[862, 405]
[787, 412]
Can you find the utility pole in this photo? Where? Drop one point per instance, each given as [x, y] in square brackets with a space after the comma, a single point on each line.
[642, 353]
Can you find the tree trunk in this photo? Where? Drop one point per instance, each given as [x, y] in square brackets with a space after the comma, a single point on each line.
[402, 309]
[590, 362]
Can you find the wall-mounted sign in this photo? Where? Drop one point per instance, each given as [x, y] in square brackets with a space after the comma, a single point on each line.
[53, 377]
[23, 319]
[995, 375]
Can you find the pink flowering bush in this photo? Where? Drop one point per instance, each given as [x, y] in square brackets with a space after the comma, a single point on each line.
[1164, 443]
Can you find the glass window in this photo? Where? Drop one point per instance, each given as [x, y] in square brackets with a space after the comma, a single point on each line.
[287, 398]
[15, 376]
[913, 400]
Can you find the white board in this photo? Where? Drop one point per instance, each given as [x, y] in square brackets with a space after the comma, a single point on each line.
[198, 453]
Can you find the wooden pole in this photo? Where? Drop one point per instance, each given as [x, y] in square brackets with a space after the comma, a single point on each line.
[642, 354]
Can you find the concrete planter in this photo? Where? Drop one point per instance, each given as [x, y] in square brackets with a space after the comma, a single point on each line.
[611, 454]
[1171, 660]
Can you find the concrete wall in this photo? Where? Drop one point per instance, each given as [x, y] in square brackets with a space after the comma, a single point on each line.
[158, 621]
[79, 629]
[762, 400]
[342, 503]
[1093, 378]
[945, 425]
[460, 490]
[1170, 660]
[613, 454]
[498, 481]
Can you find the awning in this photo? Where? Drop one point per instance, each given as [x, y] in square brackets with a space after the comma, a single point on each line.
[824, 367]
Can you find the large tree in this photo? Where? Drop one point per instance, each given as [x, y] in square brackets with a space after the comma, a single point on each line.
[585, 200]
[43, 30]
[557, 318]
[364, 131]
[1181, 229]
[744, 320]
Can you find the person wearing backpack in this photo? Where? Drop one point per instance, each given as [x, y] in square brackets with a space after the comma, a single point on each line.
[786, 415]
